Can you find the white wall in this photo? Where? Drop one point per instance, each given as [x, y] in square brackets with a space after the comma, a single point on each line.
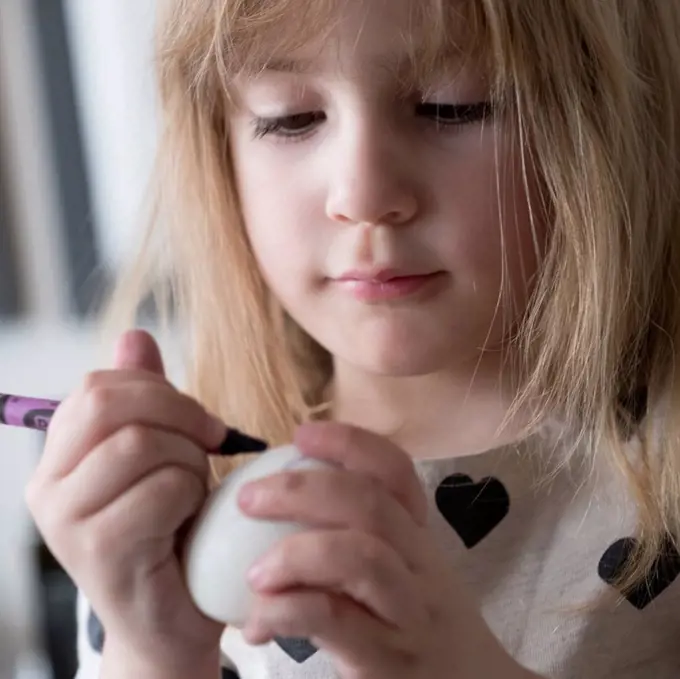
[47, 354]
[43, 361]
[113, 62]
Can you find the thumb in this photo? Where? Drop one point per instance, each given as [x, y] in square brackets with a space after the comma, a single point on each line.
[138, 350]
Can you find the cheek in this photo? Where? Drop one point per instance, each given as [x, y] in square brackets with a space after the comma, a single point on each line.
[499, 246]
[279, 252]
[278, 217]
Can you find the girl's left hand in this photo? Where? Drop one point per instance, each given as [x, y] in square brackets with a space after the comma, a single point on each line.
[366, 582]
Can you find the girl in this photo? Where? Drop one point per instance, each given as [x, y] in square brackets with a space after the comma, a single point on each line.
[436, 243]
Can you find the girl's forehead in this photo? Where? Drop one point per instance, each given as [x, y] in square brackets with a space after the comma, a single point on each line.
[400, 36]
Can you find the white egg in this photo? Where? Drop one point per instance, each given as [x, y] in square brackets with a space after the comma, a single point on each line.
[224, 542]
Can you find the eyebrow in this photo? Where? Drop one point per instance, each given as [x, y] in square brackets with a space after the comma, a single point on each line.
[295, 66]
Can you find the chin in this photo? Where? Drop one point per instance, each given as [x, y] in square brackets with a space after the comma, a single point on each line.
[405, 346]
[397, 359]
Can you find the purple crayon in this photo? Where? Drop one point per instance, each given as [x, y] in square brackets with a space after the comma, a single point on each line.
[36, 413]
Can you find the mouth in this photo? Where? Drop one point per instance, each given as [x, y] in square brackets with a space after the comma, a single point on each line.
[387, 285]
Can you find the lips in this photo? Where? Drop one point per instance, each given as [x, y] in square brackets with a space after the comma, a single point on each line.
[379, 275]
[386, 285]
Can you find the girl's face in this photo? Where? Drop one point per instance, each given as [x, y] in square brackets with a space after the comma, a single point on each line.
[375, 214]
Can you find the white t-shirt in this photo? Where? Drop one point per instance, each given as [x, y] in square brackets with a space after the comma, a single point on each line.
[538, 556]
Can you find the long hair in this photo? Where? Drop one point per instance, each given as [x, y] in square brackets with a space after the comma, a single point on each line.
[592, 89]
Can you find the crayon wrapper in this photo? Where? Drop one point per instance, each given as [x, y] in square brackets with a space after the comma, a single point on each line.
[21, 411]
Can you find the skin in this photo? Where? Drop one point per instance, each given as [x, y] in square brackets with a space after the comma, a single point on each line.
[124, 467]
[428, 366]
[346, 169]
[366, 582]
[125, 462]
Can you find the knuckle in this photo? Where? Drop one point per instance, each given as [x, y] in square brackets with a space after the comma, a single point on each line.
[372, 559]
[135, 439]
[97, 402]
[93, 380]
[173, 481]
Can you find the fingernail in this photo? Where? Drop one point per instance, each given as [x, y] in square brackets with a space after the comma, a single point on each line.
[258, 574]
[248, 496]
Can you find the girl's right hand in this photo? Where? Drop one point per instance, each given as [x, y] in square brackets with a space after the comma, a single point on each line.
[124, 470]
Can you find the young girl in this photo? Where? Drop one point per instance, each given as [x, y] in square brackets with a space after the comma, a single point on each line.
[442, 237]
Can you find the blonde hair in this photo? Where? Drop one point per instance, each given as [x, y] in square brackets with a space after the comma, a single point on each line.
[591, 88]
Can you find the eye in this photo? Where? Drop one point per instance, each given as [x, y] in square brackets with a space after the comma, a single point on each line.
[455, 114]
[296, 125]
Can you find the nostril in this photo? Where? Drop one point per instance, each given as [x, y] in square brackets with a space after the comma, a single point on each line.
[338, 217]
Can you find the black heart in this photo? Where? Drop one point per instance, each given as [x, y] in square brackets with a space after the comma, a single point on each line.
[228, 673]
[295, 648]
[473, 510]
[664, 571]
[95, 632]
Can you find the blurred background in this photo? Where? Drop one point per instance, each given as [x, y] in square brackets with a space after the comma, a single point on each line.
[77, 137]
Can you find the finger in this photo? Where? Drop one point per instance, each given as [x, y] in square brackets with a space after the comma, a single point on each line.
[88, 418]
[91, 382]
[125, 459]
[356, 564]
[362, 451]
[336, 498]
[137, 349]
[103, 378]
[153, 509]
[334, 624]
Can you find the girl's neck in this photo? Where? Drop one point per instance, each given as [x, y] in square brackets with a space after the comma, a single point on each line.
[447, 414]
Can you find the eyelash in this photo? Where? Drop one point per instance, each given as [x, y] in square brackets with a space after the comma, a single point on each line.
[289, 127]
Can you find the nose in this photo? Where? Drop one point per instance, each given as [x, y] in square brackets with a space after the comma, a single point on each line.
[369, 182]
